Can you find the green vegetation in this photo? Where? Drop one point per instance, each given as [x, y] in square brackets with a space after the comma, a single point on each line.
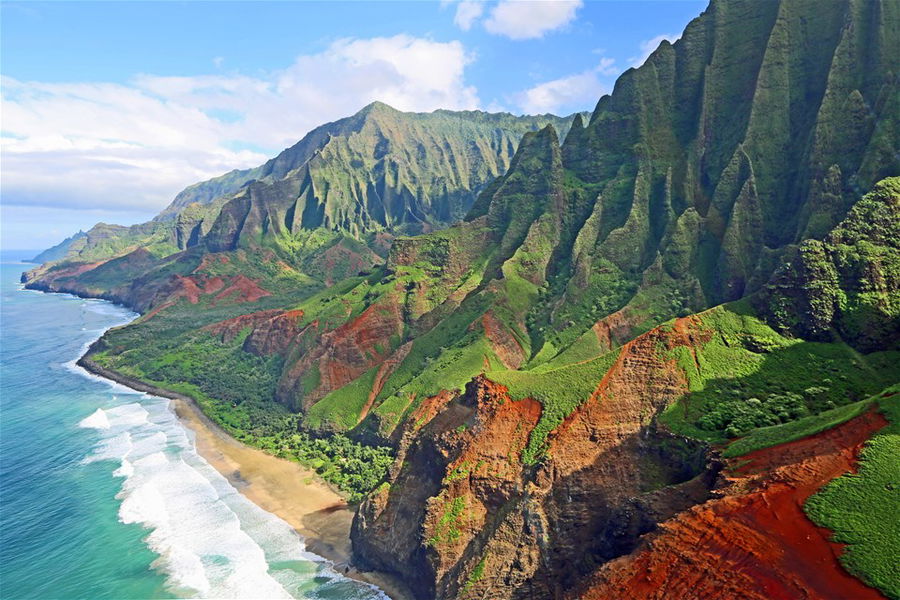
[447, 529]
[748, 376]
[219, 370]
[235, 389]
[476, 574]
[341, 409]
[861, 508]
[764, 437]
[848, 282]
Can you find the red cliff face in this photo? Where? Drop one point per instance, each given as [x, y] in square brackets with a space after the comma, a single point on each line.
[229, 329]
[447, 486]
[274, 335]
[328, 360]
[753, 541]
[463, 517]
[502, 341]
[272, 331]
[616, 509]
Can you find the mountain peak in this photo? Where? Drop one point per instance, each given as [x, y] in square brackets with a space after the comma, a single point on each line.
[377, 107]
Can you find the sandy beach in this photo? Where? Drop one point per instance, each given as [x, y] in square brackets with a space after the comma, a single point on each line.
[285, 488]
[282, 487]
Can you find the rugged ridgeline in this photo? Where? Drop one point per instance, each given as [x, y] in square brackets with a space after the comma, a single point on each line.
[558, 373]
[380, 170]
[58, 251]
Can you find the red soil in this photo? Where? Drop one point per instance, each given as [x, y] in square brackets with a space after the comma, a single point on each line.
[208, 259]
[613, 330]
[186, 287]
[242, 289]
[156, 310]
[358, 345]
[384, 371]
[755, 542]
[230, 328]
[486, 469]
[79, 269]
[213, 285]
[504, 344]
[351, 262]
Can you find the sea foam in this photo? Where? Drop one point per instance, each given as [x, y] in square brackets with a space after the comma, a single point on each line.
[97, 420]
[212, 542]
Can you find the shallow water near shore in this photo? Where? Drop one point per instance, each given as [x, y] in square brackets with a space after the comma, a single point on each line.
[102, 492]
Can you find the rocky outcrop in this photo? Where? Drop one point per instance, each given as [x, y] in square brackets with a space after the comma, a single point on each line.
[323, 360]
[462, 516]
[274, 335]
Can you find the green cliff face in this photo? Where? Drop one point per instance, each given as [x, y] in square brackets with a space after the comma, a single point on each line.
[847, 285]
[380, 170]
[759, 128]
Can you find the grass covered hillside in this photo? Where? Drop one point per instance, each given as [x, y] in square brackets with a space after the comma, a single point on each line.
[861, 508]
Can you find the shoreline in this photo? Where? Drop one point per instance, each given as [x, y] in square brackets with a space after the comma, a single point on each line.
[285, 488]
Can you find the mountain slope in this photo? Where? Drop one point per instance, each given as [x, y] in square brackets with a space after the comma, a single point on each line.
[380, 170]
[58, 251]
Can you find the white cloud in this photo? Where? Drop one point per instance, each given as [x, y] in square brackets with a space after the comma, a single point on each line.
[574, 92]
[647, 47]
[467, 12]
[526, 19]
[134, 146]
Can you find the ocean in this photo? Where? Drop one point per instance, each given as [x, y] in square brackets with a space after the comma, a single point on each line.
[102, 493]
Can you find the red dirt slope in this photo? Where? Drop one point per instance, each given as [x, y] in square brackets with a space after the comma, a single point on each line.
[755, 541]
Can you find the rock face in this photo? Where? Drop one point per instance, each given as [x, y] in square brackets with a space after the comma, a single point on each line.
[462, 516]
[849, 282]
[330, 359]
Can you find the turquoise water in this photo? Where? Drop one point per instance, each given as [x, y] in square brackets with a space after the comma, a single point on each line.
[102, 494]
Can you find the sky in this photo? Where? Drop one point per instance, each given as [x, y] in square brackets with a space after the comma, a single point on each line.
[109, 109]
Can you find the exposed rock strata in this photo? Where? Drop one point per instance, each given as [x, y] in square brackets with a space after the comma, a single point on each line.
[461, 497]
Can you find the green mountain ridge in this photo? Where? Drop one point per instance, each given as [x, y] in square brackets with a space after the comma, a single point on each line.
[427, 166]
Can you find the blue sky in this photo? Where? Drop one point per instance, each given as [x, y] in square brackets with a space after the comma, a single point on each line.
[110, 108]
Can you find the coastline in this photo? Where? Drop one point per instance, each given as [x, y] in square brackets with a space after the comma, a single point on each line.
[282, 487]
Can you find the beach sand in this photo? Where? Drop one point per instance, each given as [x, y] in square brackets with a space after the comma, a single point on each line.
[286, 489]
